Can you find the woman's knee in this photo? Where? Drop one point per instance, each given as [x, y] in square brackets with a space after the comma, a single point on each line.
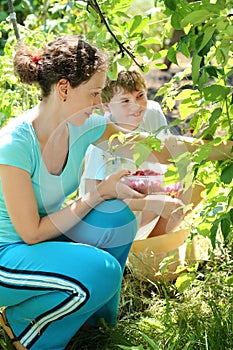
[110, 224]
[119, 221]
[102, 272]
[111, 213]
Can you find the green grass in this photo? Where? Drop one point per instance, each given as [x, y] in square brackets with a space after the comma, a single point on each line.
[154, 316]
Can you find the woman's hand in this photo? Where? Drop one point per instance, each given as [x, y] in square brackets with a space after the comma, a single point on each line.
[112, 187]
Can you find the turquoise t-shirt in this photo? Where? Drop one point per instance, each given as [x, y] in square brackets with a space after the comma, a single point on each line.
[20, 147]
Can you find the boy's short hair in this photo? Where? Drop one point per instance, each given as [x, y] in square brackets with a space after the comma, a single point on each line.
[130, 80]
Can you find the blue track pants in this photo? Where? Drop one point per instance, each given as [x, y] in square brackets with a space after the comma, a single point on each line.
[52, 288]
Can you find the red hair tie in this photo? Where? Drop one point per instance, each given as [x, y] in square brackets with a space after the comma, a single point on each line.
[36, 59]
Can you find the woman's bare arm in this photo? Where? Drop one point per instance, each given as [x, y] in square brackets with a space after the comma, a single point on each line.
[180, 144]
[22, 207]
[171, 147]
[126, 151]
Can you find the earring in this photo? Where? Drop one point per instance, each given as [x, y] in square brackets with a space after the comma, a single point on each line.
[64, 100]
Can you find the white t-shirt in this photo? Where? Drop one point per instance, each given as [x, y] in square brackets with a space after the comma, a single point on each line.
[99, 164]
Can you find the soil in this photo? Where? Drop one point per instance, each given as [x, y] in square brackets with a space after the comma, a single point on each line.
[156, 78]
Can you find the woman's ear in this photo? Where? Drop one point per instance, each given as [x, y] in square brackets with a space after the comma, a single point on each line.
[62, 89]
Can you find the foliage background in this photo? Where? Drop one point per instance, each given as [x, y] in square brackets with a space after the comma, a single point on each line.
[140, 33]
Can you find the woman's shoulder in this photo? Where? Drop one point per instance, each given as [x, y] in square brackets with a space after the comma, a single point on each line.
[17, 130]
[18, 145]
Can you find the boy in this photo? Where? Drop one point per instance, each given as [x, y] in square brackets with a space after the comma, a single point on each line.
[129, 108]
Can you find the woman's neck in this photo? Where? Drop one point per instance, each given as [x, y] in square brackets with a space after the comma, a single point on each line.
[48, 122]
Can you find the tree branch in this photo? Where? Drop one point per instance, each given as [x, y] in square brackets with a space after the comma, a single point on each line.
[13, 19]
[94, 4]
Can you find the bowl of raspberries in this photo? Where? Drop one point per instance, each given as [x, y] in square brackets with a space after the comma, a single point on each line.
[151, 182]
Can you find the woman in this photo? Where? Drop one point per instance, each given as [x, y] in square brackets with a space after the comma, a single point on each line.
[49, 284]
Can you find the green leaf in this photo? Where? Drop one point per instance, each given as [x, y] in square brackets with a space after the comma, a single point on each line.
[229, 280]
[172, 175]
[134, 23]
[203, 80]
[123, 347]
[119, 136]
[176, 20]
[196, 61]
[151, 342]
[112, 72]
[184, 94]
[183, 48]
[150, 41]
[216, 92]
[221, 4]
[198, 40]
[213, 234]
[187, 107]
[215, 115]
[143, 148]
[171, 4]
[212, 71]
[229, 30]
[202, 153]
[141, 49]
[225, 227]
[171, 54]
[227, 174]
[206, 48]
[221, 23]
[208, 33]
[196, 17]
[231, 215]
[140, 153]
[182, 164]
[160, 54]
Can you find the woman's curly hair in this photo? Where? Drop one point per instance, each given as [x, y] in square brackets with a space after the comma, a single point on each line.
[67, 57]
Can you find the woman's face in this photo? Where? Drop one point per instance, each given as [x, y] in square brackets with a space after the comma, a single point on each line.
[83, 98]
[128, 108]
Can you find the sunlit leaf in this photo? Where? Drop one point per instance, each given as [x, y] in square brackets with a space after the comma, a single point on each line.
[186, 108]
[184, 281]
[140, 153]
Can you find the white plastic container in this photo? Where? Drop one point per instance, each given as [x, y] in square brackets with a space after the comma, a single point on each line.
[152, 185]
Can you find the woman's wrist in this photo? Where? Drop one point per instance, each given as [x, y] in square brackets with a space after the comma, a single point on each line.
[93, 198]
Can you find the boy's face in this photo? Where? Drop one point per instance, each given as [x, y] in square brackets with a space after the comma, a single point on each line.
[128, 108]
